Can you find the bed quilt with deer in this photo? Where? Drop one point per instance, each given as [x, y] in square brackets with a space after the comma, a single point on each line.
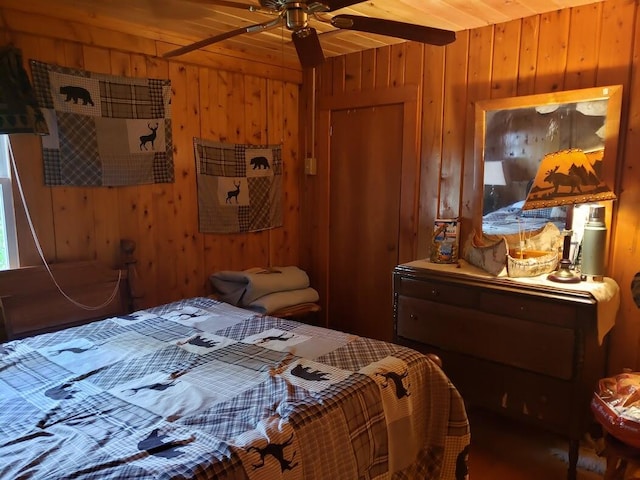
[201, 389]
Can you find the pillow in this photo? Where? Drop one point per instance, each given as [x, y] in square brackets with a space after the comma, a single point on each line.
[537, 213]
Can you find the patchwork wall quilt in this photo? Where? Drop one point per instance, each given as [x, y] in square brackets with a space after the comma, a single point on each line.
[105, 130]
[202, 389]
[239, 186]
[19, 111]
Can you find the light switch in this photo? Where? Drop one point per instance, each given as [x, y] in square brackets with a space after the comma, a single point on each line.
[310, 165]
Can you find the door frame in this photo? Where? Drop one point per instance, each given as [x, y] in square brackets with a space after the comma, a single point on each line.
[408, 96]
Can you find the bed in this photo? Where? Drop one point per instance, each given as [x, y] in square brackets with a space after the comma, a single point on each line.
[512, 219]
[201, 389]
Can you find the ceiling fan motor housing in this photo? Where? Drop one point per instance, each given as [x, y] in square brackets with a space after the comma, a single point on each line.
[297, 17]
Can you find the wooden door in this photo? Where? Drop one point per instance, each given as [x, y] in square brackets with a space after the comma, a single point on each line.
[364, 217]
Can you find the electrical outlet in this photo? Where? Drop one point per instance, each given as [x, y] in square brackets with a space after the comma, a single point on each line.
[310, 165]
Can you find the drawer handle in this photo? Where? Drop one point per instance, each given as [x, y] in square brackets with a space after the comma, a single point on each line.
[523, 308]
[435, 292]
[413, 317]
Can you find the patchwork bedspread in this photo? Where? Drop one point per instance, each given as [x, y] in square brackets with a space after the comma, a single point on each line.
[201, 389]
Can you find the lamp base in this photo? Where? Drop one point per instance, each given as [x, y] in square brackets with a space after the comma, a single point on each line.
[564, 273]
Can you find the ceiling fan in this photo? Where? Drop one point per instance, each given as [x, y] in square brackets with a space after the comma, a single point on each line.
[295, 15]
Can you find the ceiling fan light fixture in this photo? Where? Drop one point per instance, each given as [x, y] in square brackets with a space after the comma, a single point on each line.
[340, 22]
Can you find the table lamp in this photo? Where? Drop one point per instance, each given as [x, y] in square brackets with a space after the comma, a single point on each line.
[567, 177]
[494, 176]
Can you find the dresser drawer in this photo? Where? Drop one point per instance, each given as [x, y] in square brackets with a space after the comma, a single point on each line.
[533, 346]
[528, 308]
[439, 292]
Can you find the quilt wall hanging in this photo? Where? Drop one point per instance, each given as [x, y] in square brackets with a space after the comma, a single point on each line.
[105, 130]
[239, 186]
[19, 111]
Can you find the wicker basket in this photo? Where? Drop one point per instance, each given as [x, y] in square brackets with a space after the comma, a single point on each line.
[531, 263]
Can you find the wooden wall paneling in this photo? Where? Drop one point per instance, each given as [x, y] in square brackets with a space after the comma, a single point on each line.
[191, 275]
[455, 109]
[72, 206]
[368, 69]
[338, 65]
[410, 175]
[320, 213]
[306, 116]
[279, 238]
[284, 121]
[480, 67]
[414, 56]
[584, 42]
[150, 213]
[128, 196]
[210, 130]
[143, 213]
[616, 40]
[157, 275]
[552, 51]
[527, 64]
[106, 214]
[293, 175]
[626, 240]
[506, 57]
[314, 188]
[27, 150]
[185, 83]
[618, 64]
[255, 127]
[383, 67]
[165, 228]
[431, 144]
[353, 72]
[227, 133]
[397, 64]
[235, 114]
[614, 68]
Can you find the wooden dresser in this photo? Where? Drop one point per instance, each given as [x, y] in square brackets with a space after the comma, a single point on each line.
[530, 351]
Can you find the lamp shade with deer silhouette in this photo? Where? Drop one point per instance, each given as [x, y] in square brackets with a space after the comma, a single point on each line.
[568, 177]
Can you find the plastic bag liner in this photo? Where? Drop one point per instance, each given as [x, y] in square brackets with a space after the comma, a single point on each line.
[616, 406]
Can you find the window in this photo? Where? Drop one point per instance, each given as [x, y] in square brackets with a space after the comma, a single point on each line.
[8, 239]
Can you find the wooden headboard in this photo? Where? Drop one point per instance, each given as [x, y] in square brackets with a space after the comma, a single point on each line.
[31, 303]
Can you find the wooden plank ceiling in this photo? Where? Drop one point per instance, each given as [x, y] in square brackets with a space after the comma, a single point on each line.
[180, 22]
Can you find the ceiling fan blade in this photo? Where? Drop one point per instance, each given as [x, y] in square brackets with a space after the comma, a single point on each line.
[391, 28]
[226, 3]
[223, 36]
[338, 4]
[308, 47]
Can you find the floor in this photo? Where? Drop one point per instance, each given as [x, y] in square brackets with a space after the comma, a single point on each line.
[503, 449]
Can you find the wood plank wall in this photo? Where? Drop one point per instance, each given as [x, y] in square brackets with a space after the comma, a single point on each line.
[213, 98]
[586, 46]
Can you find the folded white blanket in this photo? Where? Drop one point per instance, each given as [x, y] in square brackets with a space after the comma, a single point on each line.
[275, 301]
[243, 287]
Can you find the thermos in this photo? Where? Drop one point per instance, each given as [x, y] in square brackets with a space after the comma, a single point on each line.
[593, 244]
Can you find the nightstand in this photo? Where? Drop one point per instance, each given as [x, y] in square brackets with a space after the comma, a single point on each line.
[525, 348]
